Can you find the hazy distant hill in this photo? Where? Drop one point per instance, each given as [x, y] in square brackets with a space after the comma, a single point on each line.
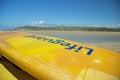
[67, 28]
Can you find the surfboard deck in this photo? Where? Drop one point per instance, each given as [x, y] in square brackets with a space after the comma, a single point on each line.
[50, 58]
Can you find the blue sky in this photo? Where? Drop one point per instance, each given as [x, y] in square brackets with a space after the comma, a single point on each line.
[67, 12]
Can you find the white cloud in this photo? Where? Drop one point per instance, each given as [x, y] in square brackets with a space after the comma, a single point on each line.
[37, 23]
[41, 22]
[33, 23]
[59, 24]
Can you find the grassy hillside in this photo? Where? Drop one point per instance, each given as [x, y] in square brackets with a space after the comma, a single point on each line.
[67, 28]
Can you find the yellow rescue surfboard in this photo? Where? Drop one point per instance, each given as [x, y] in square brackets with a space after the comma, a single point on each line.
[5, 74]
[50, 58]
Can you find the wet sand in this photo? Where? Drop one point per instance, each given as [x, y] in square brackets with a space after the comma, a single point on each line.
[109, 46]
[76, 32]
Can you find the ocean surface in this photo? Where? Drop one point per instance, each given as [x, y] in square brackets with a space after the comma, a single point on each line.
[88, 39]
